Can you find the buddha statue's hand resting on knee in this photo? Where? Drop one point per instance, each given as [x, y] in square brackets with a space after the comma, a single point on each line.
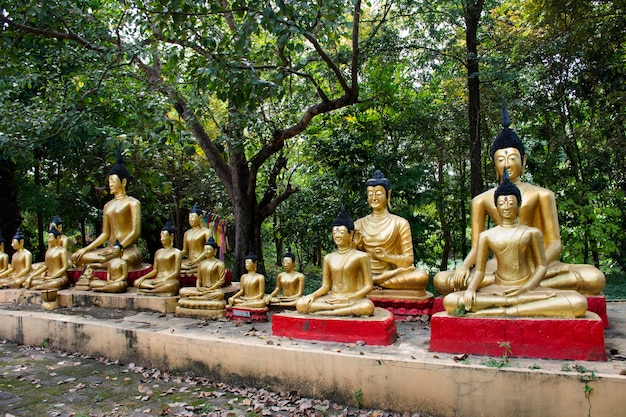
[163, 279]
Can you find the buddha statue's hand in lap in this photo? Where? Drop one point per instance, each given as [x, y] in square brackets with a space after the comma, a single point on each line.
[121, 221]
[346, 278]
[386, 238]
[539, 210]
[289, 283]
[52, 274]
[516, 290]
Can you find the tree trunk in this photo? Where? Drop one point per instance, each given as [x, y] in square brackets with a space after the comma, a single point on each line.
[473, 10]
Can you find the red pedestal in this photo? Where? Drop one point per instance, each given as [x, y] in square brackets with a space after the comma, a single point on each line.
[544, 338]
[595, 304]
[247, 315]
[379, 329]
[405, 309]
[75, 274]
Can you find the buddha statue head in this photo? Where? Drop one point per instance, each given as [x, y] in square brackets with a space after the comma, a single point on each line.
[195, 215]
[18, 239]
[167, 232]
[378, 190]
[507, 150]
[118, 175]
[211, 247]
[56, 223]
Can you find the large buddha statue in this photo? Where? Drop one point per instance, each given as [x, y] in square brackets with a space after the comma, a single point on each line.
[386, 238]
[163, 279]
[121, 221]
[516, 289]
[4, 257]
[193, 241]
[539, 210]
[211, 275]
[21, 263]
[52, 273]
[252, 287]
[346, 277]
[289, 284]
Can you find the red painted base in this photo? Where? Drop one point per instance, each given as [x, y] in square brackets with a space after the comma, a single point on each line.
[595, 304]
[404, 310]
[247, 315]
[75, 274]
[379, 329]
[531, 337]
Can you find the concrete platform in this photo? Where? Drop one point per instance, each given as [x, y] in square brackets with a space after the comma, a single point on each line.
[404, 376]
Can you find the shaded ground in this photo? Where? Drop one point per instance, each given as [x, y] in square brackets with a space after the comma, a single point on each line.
[38, 381]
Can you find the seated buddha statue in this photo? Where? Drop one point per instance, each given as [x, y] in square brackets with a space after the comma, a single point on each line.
[52, 273]
[117, 272]
[193, 242]
[289, 284]
[539, 210]
[346, 277]
[21, 264]
[163, 279]
[4, 257]
[211, 275]
[121, 221]
[516, 289]
[252, 287]
[386, 238]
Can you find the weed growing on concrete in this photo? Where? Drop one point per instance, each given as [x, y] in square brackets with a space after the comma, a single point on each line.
[500, 363]
[44, 343]
[358, 398]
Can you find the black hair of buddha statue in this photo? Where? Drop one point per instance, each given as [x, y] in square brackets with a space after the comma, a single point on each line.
[211, 242]
[119, 168]
[507, 138]
[379, 179]
[251, 255]
[53, 230]
[196, 209]
[343, 219]
[56, 221]
[18, 234]
[169, 228]
[506, 187]
[289, 254]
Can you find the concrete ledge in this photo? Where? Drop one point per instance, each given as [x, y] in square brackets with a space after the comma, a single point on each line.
[129, 300]
[399, 377]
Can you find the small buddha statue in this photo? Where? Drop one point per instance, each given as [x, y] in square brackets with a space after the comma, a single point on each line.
[163, 279]
[211, 275]
[516, 289]
[57, 223]
[117, 272]
[289, 284]
[539, 210]
[252, 290]
[346, 277]
[193, 242]
[4, 257]
[121, 221]
[52, 273]
[386, 238]
[21, 263]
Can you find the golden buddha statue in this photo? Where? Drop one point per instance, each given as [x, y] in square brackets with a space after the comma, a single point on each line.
[117, 272]
[516, 289]
[4, 257]
[289, 284]
[252, 287]
[52, 273]
[163, 279]
[386, 238]
[193, 241]
[211, 275]
[21, 263]
[121, 221]
[539, 210]
[346, 277]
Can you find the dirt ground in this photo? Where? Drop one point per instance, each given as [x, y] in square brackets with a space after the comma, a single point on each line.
[39, 381]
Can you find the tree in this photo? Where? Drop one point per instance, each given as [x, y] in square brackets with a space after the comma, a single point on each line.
[260, 60]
